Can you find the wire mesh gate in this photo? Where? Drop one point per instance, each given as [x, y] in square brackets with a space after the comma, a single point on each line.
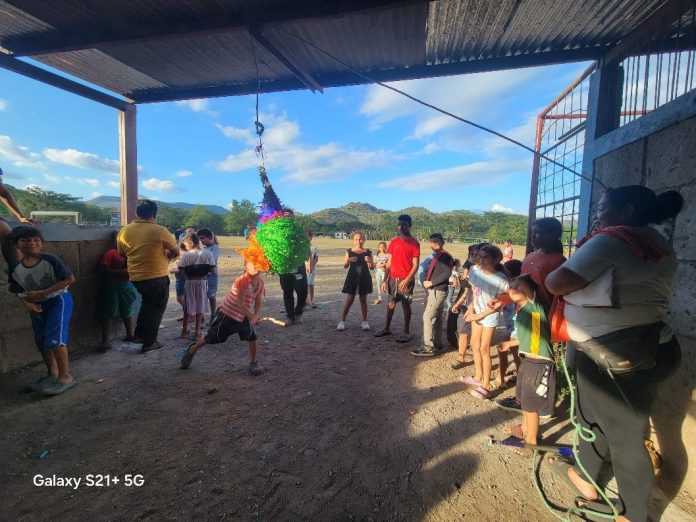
[560, 137]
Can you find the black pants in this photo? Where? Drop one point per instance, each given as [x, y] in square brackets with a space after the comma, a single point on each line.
[620, 429]
[291, 284]
[155, 295]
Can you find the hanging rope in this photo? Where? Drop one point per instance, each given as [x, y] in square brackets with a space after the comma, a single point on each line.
[438, 109]
[260, 152]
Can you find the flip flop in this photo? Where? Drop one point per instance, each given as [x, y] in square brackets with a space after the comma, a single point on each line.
[469, 381]
[58, 387]
[404, 338]
[559, 466]
[457, 365]
[513, 429]
[382, 333]
[598, 506]
[480, 393]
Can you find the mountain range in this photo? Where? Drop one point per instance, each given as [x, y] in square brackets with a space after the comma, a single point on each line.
[115, 202]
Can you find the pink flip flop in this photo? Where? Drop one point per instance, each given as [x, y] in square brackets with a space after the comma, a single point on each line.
[470, 381]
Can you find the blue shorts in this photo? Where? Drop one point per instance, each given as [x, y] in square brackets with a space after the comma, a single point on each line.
[212, 285]
[180, 286]
[51, 325]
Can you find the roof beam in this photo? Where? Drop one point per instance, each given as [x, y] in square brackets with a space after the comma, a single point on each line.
[37, 73]
[387, 75]
[304, 77]
[79, 38]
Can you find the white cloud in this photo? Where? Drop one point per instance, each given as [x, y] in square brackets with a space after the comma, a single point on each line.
[468, 96]
[34, 186]
[82, 160]
[301, 163]
[497, 207]
[88, 182]
[19, 155]
[53, 179]
[96, 194]
[160, 185]
[479, 173]
[235, 132]
[3, 104]
[199, 105]
[183, 173]
[115, 184]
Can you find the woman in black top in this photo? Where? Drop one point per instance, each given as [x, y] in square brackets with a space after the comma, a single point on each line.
[358, 261]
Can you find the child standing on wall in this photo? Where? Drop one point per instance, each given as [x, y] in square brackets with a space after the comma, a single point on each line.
[117, 294]
[44, 280]
[239, 314]
[358, 261]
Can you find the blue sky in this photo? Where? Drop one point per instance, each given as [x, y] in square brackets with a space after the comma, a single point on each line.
[362, 143]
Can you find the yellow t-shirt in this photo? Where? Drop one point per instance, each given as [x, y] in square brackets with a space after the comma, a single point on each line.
[144, 243]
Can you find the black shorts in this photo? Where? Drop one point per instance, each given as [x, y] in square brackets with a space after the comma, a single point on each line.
[536, 385]
[393, 290]
[223, 326]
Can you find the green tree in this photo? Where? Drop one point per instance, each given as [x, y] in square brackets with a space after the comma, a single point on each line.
[241, 214]
[171, 217]
[35, 198]
[201, 217]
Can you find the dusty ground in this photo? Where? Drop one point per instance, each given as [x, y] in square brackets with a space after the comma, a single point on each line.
[342, 426]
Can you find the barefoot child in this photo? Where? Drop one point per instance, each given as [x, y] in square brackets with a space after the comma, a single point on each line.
[380, 264]
[196, 264]
[487, 282]
[461, 306]
[117, 295]
[238, 314]
[358, 261]
[44, 280]
[536, 376]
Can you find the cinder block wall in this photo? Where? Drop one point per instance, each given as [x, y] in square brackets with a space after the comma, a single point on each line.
[80, 247]
[665, 161]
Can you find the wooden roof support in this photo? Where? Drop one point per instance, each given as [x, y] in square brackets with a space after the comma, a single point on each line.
[128, 155]
[37, 73]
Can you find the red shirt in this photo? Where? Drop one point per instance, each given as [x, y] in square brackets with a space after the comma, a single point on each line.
[113, 259]
[402, 251]
[539, 266]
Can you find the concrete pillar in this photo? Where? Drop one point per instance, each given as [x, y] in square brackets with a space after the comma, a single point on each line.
[128, 155]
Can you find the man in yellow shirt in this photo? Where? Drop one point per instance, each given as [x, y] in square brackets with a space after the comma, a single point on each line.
[148, 247]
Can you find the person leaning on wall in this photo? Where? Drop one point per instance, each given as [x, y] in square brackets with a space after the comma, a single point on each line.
[616, 289]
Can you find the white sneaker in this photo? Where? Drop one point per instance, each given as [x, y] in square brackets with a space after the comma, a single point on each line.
[365, 325]
[341, 326]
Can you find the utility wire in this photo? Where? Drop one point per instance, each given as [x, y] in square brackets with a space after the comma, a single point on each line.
[438, 109]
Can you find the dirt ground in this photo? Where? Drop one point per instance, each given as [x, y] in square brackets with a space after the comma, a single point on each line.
[342, 426]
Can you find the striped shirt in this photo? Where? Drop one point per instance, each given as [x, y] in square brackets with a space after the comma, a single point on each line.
[252, 288]
[533, 331]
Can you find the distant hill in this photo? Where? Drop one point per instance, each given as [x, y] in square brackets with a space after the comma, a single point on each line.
[115, 202]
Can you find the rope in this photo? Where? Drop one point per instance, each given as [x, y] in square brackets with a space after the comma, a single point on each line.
[438, 109]
[260, 152]
[579, 432]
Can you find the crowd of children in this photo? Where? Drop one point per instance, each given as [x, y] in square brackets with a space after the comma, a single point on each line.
[488, 305]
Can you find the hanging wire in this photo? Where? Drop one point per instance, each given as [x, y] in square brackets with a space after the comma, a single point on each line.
[260, 151]
[438, 109]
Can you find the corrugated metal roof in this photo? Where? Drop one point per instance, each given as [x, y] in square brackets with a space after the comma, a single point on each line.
[153, 50]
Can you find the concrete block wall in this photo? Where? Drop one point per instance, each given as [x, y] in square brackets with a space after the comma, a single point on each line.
[80, 247]
[666, 160]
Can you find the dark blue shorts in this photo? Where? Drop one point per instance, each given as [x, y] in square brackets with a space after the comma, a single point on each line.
[51, 325]
[180, 286]
[212, 285]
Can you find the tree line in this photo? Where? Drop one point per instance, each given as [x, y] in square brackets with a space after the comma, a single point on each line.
[377, 225]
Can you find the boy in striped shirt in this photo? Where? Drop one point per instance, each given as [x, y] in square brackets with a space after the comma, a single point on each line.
[238, 314]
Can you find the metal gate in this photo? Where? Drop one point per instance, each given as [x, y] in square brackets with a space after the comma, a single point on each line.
[560, 136]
